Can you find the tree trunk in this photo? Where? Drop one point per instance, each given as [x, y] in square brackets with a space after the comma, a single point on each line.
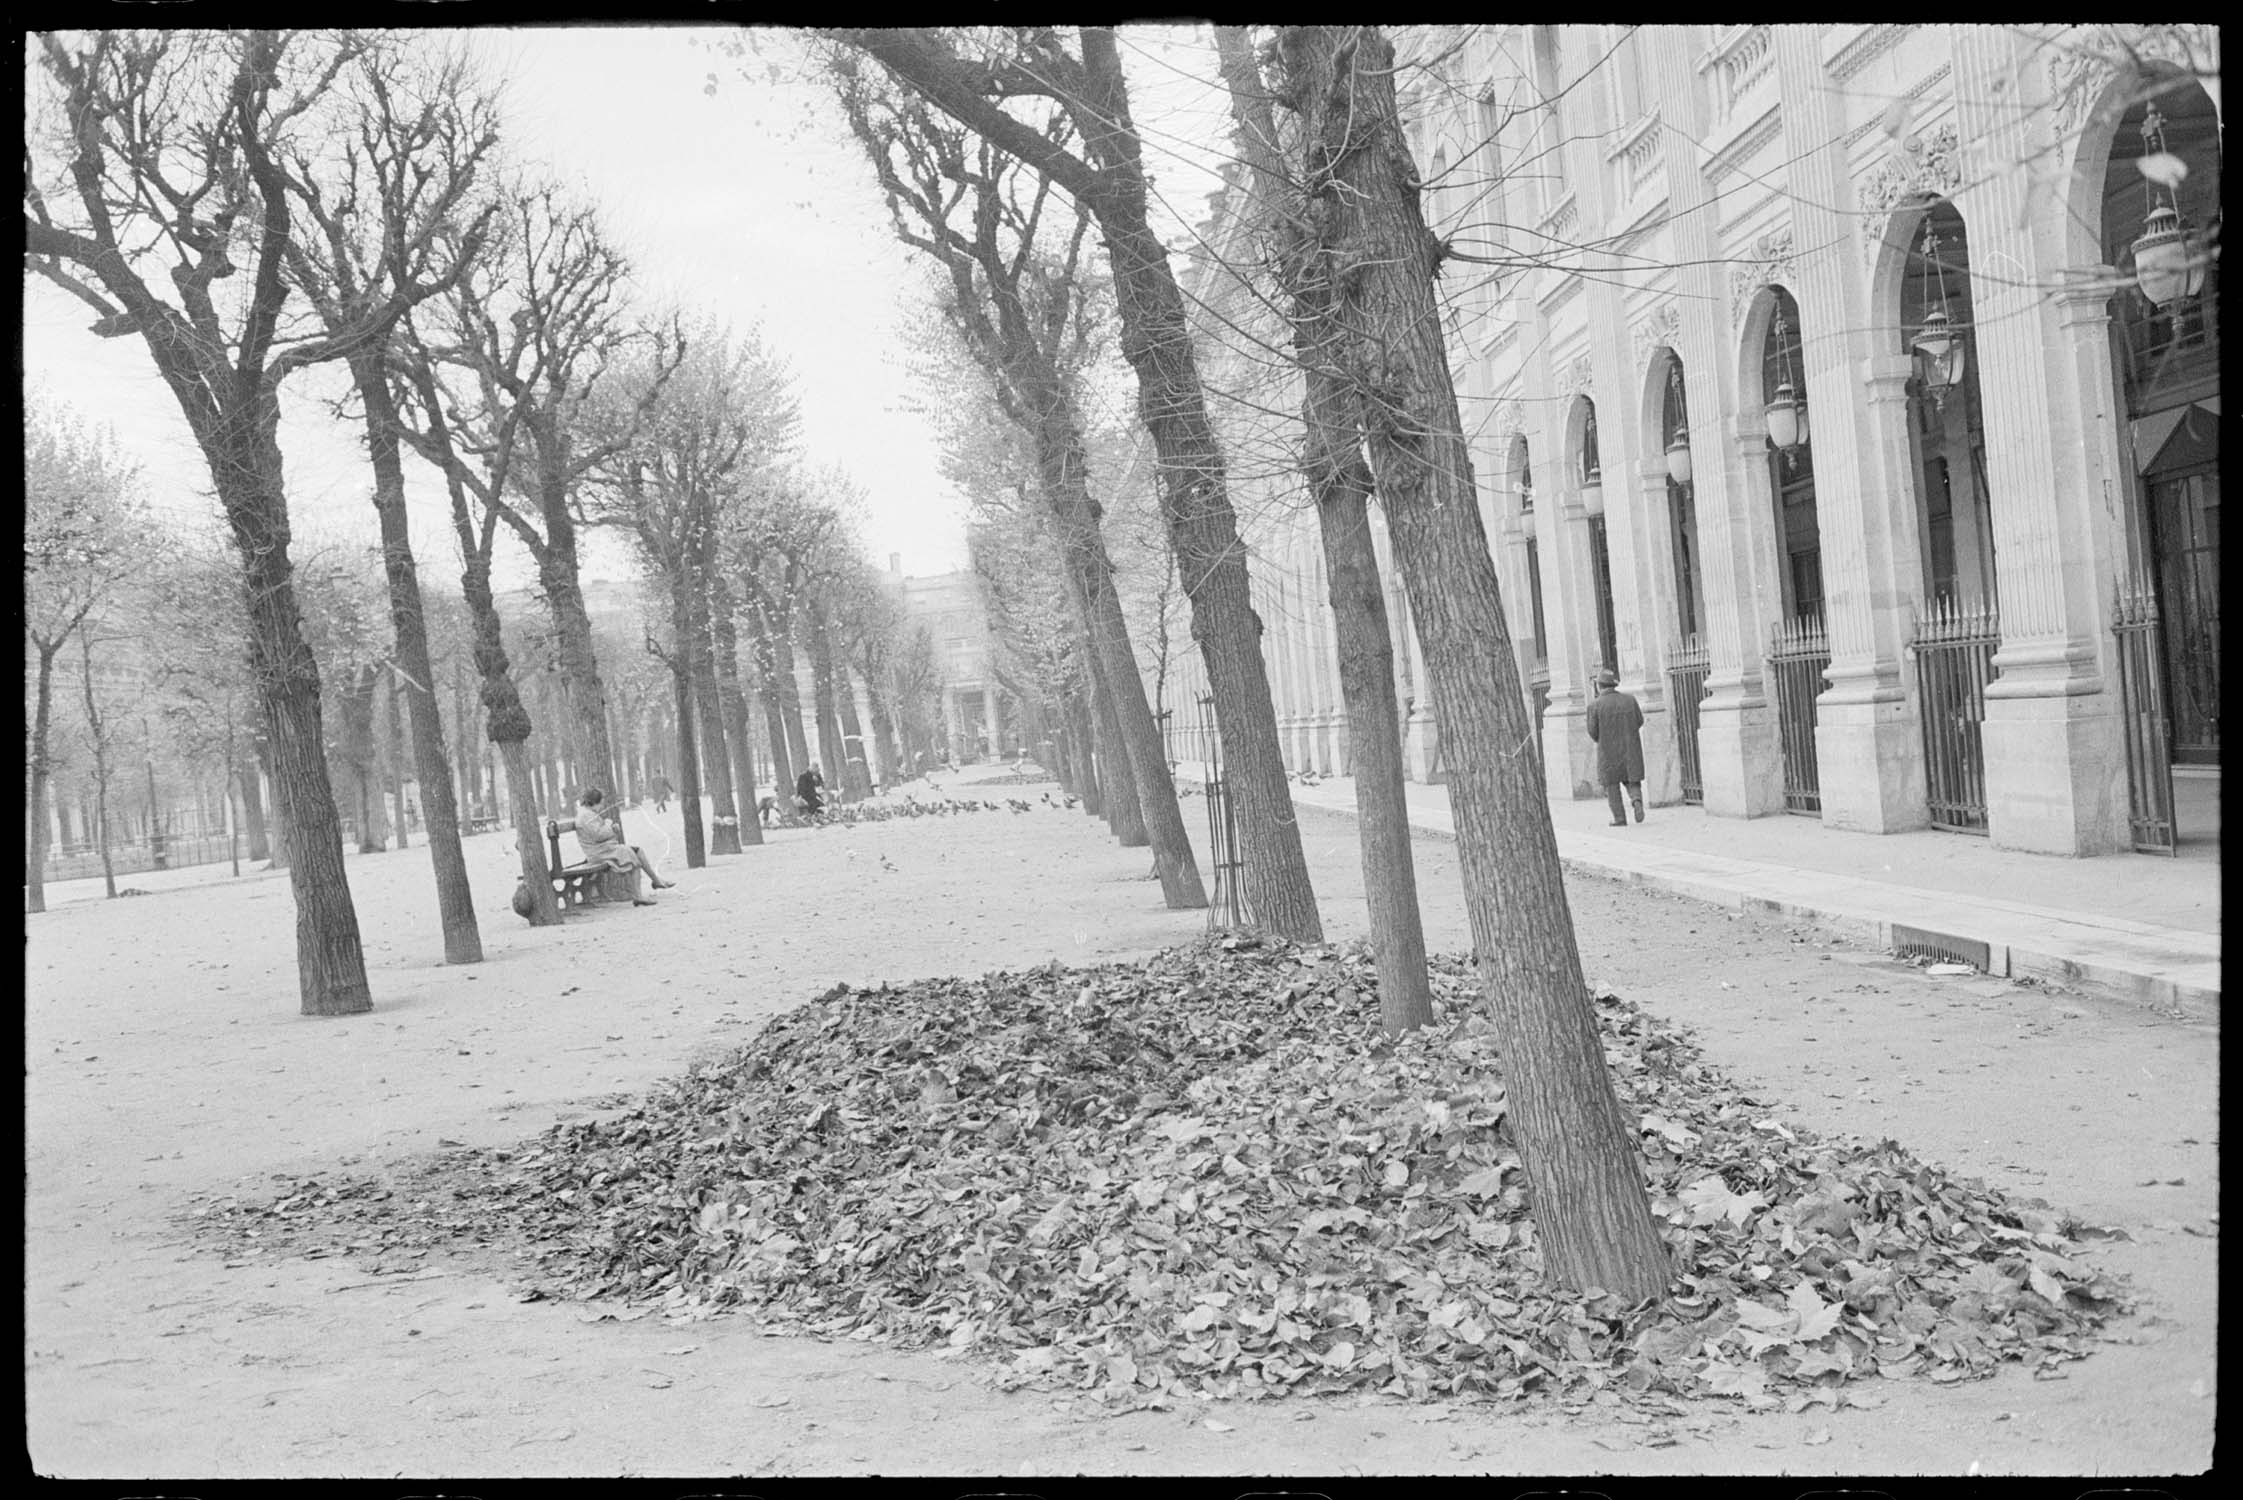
[159, 855]
[529, 834]
[1085, 754]
[1125, 811]
[788, 694]
[891, 771]
[42, 780]
[735, 703]
[821, 690]
[585, 734]
[330, 962]
[708, 711]
[1195, 503]
[253, 810]
[1160, 821]
[1580, 1151]
[1339, 481]
[689, 767]
[397, 763]
[856, 768]
[97, 731]
[506, 723]
[767, 680]
[354, 711]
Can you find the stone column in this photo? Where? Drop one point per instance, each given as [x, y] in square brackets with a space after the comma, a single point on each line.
[1868, 744]
[989, 714]
[1648, 626]
[2055, 756]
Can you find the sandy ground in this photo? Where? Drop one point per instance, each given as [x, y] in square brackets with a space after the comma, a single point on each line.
[165, 1059]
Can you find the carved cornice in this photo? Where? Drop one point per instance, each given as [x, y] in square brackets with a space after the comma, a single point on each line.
[1661, 325]
[1923, 166]
[1769, 262]
[1872, 43]
[1916, 90]
[1740, 150]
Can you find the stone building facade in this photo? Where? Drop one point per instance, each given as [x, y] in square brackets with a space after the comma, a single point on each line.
[1851, 390]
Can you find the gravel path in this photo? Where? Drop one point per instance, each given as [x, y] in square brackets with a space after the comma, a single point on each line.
[165, 1058]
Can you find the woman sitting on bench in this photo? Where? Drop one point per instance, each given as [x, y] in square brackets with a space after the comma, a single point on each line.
[601, 838]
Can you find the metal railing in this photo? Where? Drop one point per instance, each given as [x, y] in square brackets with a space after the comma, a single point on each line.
[2149, 756]
[1226, 904]
[1954, 643]
[1686, 689]
[1798, 653]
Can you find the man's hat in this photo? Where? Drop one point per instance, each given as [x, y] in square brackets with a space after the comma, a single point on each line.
[1606, 677]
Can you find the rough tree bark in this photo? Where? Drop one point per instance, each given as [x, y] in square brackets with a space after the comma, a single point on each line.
[1579, 1149]
[1156, 340]
[697, 648]
[1339, 482]
[1083, 752]
[735, 700]
[1125, 814]
[506, 723]
[689, 767]
[455, 901]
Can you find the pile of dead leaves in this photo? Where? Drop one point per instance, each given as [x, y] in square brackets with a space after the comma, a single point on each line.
[1203, 1175]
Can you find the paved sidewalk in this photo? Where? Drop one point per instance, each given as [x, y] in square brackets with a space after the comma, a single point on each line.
[2126, 924]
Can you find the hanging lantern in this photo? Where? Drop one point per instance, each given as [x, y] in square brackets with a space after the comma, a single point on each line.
[1592, 494]
[1785, 429]
[1592, 473]
[1938, 344]
[2164, 266]
[1787, 409]
[1939, 353]
[1678, 445]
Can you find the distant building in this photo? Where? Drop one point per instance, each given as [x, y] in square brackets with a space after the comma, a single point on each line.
[975, 722]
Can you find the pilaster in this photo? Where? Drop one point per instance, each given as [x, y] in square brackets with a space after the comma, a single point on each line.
[2055, 759]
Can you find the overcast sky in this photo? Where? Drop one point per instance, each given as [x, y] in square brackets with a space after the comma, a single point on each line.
[747, 204]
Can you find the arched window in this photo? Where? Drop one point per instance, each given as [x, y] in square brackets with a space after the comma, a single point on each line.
[1783, 377]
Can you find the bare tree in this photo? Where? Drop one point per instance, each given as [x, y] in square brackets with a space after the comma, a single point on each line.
[1022, 310]
[725, 418]
[1109, 179]
[1579, 1150]
[172, 145]
[79, 530]
[1339, 483]
[383, 195]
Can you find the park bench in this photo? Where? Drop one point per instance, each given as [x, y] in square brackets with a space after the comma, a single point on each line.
[586, 885]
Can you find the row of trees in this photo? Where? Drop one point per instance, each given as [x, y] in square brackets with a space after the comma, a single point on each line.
[1001, 151]
[341, 200]
[482, 324]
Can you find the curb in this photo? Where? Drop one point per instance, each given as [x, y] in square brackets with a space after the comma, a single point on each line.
[2004, 957]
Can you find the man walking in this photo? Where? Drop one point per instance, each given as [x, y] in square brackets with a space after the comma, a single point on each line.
[1615, 723]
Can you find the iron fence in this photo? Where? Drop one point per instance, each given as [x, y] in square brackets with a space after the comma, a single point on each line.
[1226, 905]
[1686, 689]
[1798, 654]
[1954, 644]
[2149, 757]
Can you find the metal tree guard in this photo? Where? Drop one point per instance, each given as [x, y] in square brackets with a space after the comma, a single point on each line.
[1226, 905]
[2149, 756]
